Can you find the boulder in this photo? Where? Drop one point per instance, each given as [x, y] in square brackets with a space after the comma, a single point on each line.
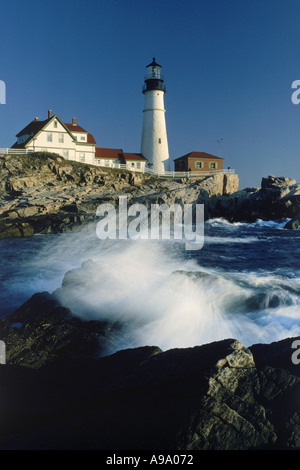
[293, 224]
[57, 393]
[42, 331]
[277, 198]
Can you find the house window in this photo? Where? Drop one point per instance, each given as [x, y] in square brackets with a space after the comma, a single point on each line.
[198, 165]
[66, 154]
[61, 138]
[82, 157]
[213, 165]
[55, 123]
[82, 137]
[106, 162]
[49, 137]
[138, 164]
[132, 163]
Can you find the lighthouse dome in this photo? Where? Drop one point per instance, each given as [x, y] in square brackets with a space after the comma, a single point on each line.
[154, 78]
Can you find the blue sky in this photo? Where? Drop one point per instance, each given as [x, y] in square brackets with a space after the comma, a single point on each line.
[228, 66]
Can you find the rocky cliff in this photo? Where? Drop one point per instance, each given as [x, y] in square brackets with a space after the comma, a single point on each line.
[57, 393]
[278, 198]
[44, 193]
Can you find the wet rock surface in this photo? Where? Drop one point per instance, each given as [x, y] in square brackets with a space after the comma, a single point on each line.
[277, 198]
[59, 392]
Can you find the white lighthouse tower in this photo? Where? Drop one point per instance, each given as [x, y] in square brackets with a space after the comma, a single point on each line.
[154, 145]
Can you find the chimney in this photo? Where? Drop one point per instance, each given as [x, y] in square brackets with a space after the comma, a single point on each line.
[36, 118]
[49, 113]
[74, 122]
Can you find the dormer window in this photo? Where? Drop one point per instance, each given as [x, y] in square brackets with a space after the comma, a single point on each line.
[82, 137]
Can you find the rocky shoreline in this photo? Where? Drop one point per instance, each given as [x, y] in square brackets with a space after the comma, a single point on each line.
[61, 388]
[59, 391]
[43, 193]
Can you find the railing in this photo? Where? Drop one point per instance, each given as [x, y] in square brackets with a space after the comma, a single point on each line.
[142, 169]
[157, 85]
[8, 151]
[165, 174]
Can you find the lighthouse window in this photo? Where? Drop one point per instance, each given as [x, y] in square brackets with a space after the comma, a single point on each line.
[159, 141]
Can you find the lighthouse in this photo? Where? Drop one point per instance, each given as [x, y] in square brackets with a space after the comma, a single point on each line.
[154, 145]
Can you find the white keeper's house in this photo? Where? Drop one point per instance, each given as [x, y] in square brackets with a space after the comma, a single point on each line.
[72, 142]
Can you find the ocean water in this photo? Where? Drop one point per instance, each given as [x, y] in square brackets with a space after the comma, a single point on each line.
[244, 283]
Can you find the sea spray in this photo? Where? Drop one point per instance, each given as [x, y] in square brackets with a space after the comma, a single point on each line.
[246, 284]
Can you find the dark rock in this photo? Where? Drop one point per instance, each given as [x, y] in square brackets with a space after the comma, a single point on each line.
[277, 354]
[293, 224]
[278, 198]
[215, 396]
[47, 332]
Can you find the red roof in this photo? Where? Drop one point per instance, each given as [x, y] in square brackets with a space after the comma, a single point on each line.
[199, 155]
[108, 153]
[118, 154]
[76, 128]
[134, 156]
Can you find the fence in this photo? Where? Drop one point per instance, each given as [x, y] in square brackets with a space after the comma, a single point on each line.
[14, 151]
[141, 169]
[165, 174]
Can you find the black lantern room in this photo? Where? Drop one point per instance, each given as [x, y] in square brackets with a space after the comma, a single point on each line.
[154, 78]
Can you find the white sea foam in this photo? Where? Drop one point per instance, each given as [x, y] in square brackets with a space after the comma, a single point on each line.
[167, 300]
[160, 295]
[225, 224]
